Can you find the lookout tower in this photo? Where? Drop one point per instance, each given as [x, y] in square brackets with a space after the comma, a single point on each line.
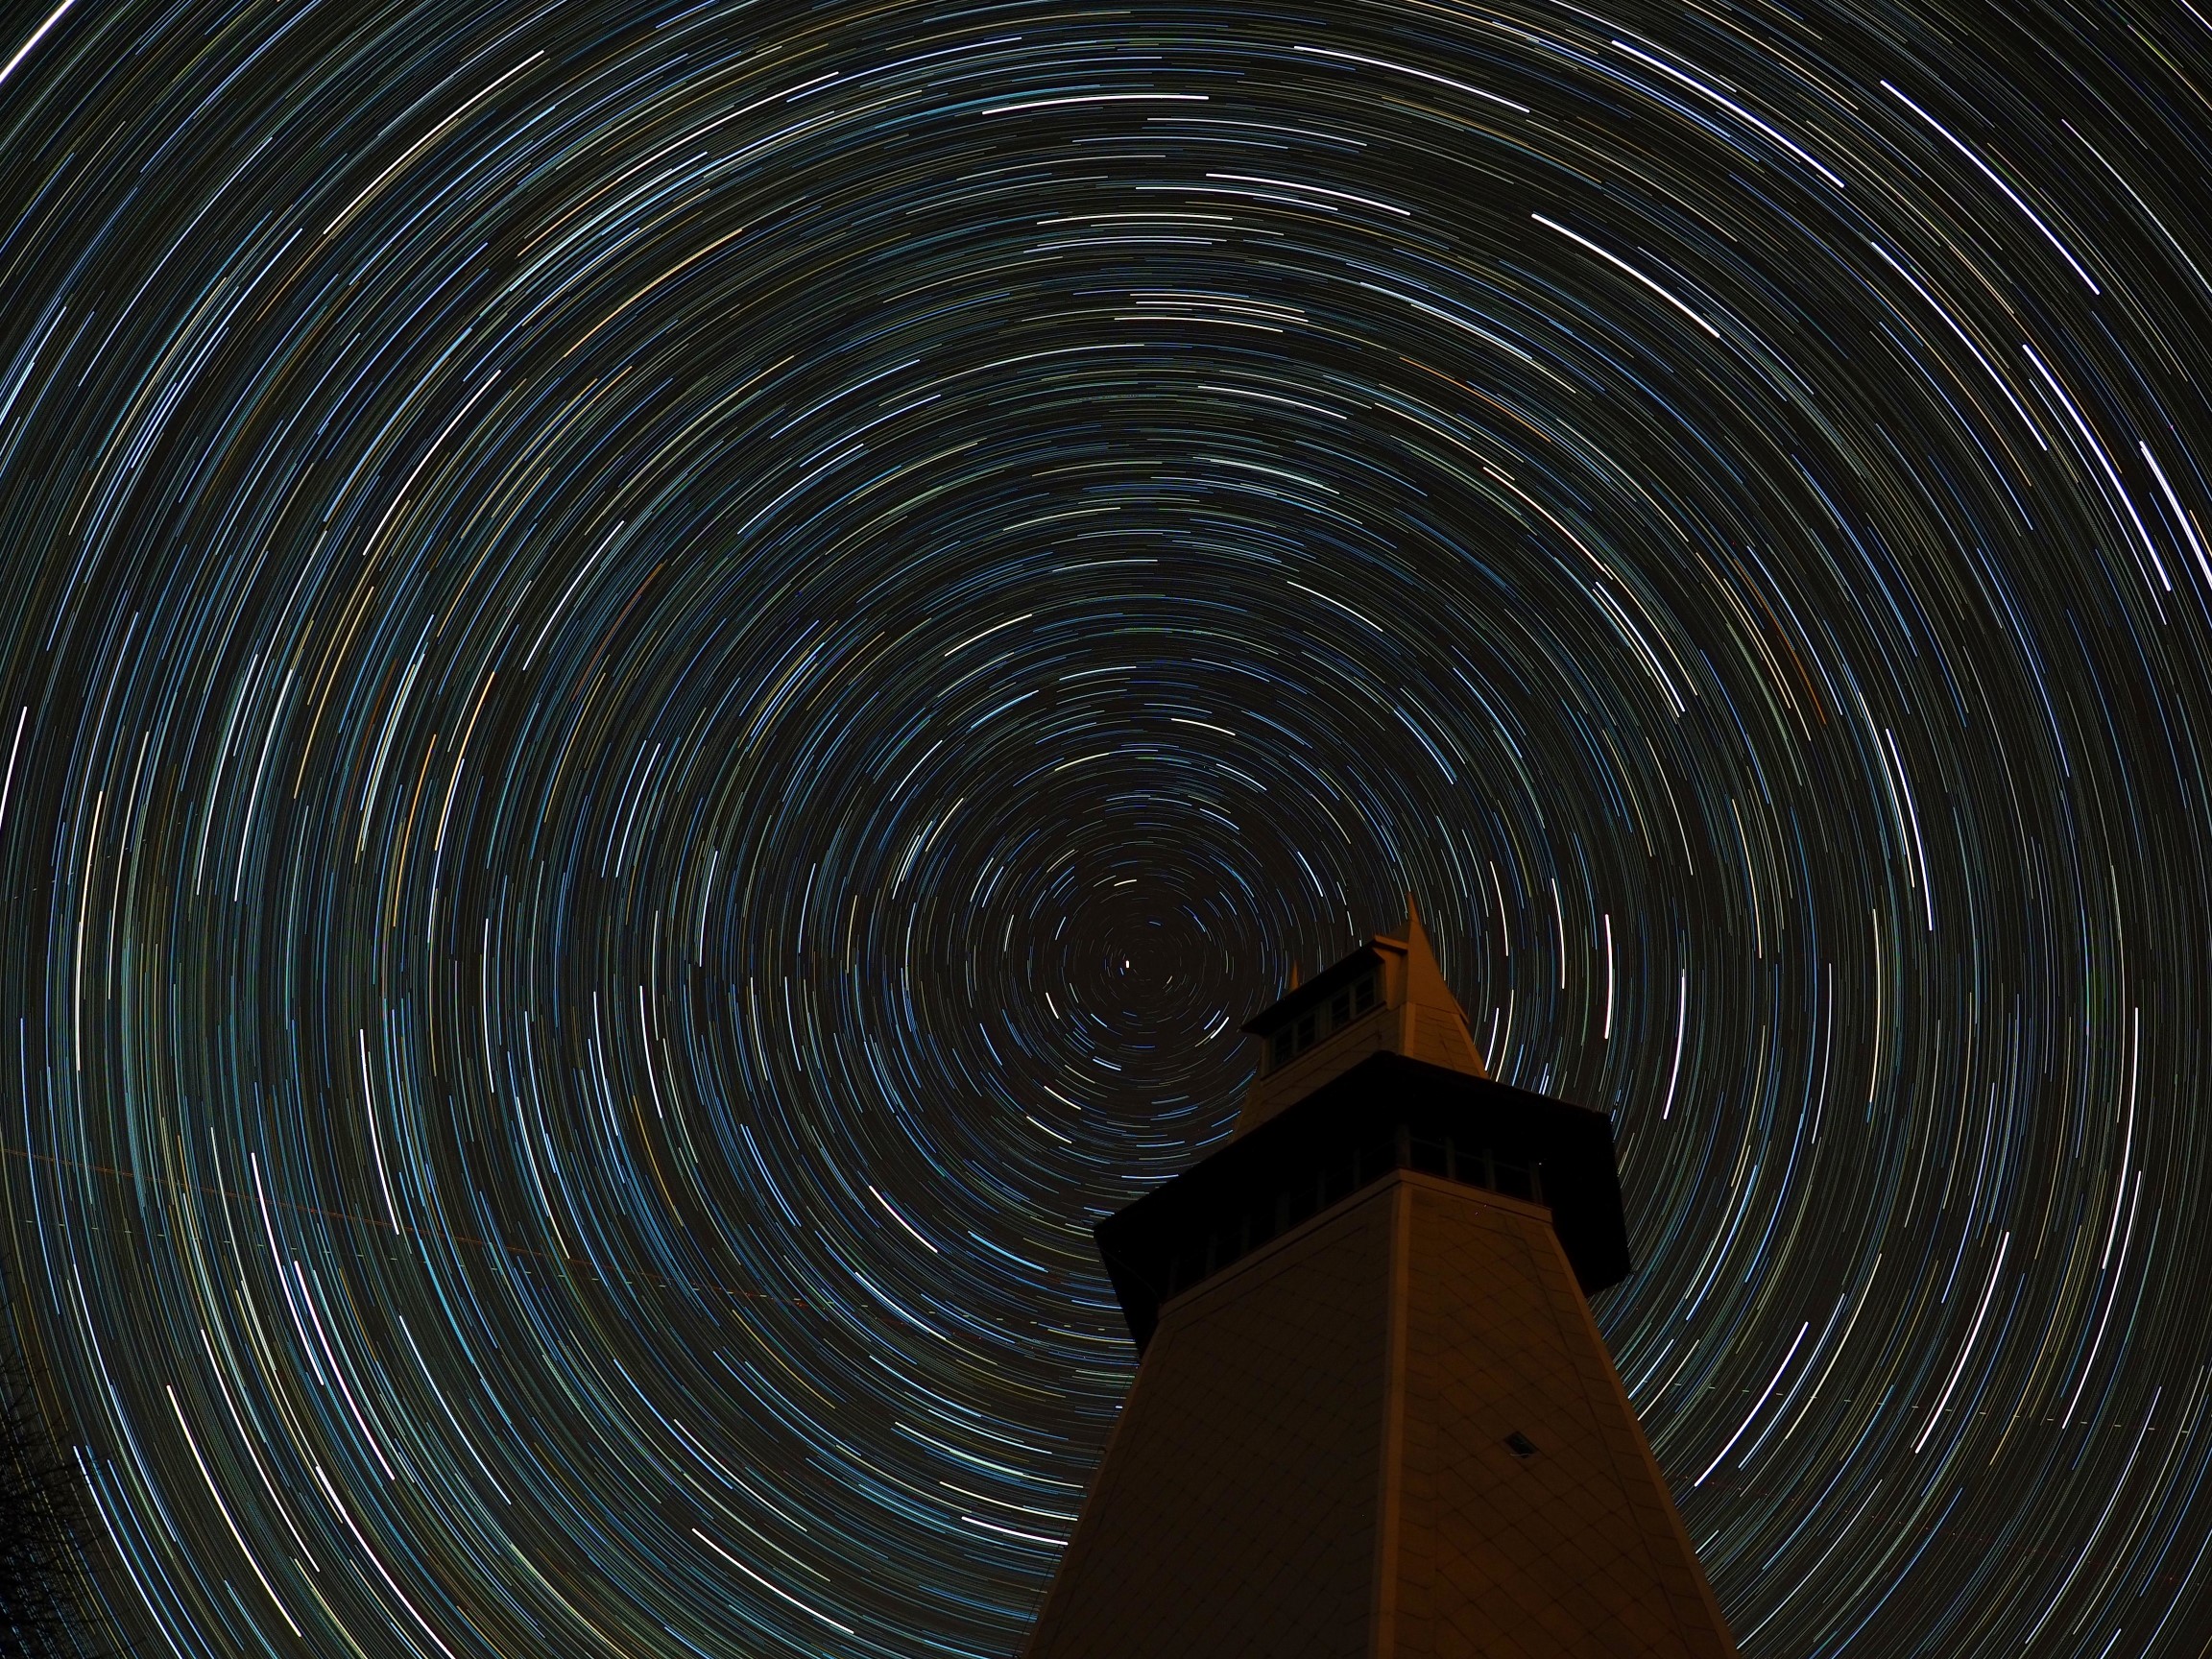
[1373, 1417]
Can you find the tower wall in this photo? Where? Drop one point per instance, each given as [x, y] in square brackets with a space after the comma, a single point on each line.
[1572, 1549]
[1234, 1510]
[1394, 1432]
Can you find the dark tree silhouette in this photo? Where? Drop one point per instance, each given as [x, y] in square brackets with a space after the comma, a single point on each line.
[43, 1584]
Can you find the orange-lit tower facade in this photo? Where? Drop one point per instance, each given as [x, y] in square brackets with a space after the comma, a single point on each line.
[1373, 1417]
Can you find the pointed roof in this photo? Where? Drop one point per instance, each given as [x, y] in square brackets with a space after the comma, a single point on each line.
[1437, 1027]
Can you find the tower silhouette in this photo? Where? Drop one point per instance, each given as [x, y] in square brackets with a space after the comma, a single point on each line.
[1373, 1417]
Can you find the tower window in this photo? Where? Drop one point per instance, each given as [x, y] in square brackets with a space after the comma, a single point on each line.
[1340, 1010]
[1363, 995]
[1306, 1023]
[1282, 1042]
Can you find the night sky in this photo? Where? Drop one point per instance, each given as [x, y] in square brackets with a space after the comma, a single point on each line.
[670, 674]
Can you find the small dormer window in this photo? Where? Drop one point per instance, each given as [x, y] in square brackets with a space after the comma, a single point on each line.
[1322, 1019]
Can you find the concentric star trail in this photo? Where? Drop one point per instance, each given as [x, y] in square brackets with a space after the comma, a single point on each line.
[671, 672]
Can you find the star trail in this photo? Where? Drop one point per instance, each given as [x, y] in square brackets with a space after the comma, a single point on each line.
[670, 672]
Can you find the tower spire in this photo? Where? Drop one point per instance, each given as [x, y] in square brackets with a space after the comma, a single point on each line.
[1435, 1024]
